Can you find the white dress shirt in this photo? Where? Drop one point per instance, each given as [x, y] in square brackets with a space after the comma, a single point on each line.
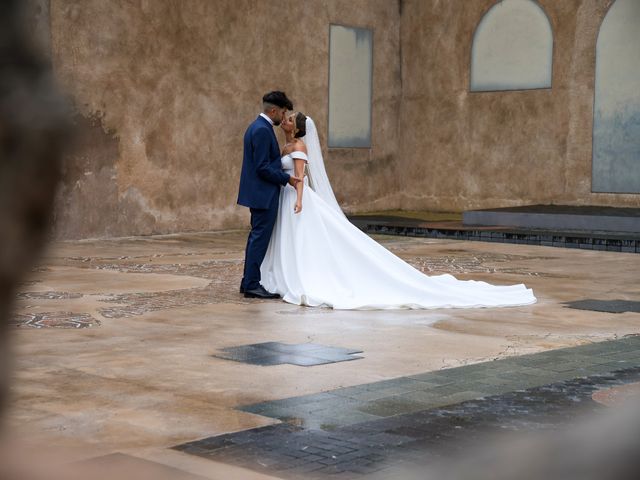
[268, 119]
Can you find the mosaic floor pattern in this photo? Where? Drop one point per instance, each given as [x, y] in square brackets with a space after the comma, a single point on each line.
[54, 320]
[224, 276]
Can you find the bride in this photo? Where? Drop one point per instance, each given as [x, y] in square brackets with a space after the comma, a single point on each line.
[316, 257]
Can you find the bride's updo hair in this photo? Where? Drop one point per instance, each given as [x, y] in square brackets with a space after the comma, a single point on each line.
[301, 125]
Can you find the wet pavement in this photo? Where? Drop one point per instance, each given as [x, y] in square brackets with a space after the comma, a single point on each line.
[118, 349]
[415, 421]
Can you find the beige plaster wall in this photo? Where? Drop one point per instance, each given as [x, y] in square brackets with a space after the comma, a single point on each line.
[164, 90]
[475, 150]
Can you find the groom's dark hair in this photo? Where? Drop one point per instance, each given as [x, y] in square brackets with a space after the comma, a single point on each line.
[277, 98]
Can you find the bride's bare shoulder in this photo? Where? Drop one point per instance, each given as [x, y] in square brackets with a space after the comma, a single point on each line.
[300, 146]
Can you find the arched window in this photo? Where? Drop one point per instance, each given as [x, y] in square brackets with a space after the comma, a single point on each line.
[512, 48]
[616, 121]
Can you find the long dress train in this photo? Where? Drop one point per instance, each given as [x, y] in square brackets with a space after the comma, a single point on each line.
[318, 258]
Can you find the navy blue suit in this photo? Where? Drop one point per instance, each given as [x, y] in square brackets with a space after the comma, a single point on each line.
[260, 183]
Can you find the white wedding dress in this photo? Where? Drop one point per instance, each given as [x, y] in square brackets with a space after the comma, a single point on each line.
[318, 258]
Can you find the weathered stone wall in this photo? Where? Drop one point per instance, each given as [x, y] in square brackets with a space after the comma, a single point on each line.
[463, 150]
[164, 90]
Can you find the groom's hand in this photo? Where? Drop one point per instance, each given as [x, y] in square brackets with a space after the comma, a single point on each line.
[293, 181]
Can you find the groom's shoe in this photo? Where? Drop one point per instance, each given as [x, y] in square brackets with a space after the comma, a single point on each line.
[260, 292]
[241, 289]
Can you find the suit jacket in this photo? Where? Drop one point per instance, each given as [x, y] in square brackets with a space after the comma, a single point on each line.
[262, 173]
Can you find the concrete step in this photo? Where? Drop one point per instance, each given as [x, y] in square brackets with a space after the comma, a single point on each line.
[558, 217]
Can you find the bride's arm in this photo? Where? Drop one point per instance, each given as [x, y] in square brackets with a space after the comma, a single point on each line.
[298, 166]
[299, 169]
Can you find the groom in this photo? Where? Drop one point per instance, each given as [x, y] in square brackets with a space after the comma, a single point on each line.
[260, 183]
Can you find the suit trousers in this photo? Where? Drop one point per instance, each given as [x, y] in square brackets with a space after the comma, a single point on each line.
[262, 223]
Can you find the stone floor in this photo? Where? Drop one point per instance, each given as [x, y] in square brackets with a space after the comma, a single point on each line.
[116, 341]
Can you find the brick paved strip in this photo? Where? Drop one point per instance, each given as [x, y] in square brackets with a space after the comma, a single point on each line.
[387, 444]
[398, 396]
[354, 431]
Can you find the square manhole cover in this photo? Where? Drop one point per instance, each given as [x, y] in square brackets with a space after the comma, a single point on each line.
[277, 353]
[609, 306]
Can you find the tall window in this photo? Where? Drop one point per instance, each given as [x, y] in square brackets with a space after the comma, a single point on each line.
[616, 122]
[350, 86]
[512, 48]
